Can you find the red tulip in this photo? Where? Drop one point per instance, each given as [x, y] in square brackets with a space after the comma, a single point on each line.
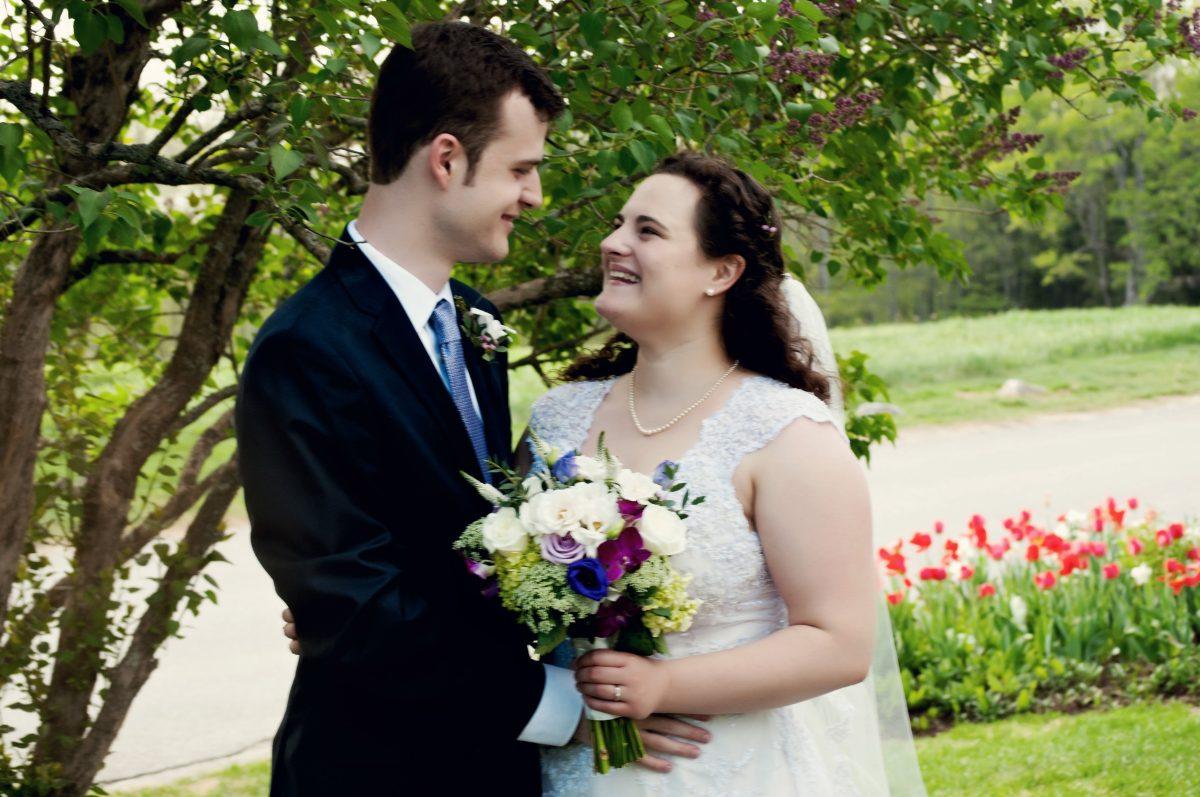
[1194, 554]
[966, 572]
[1176, 530]
[1162, 537]
[895, 563]
[1173, 565]
[1097, 548]
[1133, 503]
[933, 574]
[939, 527]
[1112, 570]
[1054, 543]
[895, 597]
[921, 540]
[1031, 553]
[952, 548]
[1134, 546]
[1044, 580]
[986, 590]
[978, 532]
[1070, 563]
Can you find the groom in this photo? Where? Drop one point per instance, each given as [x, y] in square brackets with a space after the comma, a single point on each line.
[361, 402]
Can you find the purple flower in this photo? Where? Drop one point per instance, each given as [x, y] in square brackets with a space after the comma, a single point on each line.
[587, 577]
[631, 510]
[660, 473]
[562, 550]
[623, 555]
[612, 616]
[566, 468]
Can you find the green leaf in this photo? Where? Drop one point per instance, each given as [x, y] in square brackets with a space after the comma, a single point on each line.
[135, 10]
[621, 116]
[371, 44]
[524, 33]
[267, 44]
[1027, 89]
[90, 204]
[591, 25]
[659, 125]
[809, 9]
[90, 31]
[940, 21]
[644, 154]
[242, 29]
[191, 47]
[284, 161]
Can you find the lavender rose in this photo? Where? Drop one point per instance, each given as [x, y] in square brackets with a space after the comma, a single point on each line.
[561, 549]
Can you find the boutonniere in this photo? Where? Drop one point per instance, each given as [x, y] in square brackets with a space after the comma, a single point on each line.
[483, 330]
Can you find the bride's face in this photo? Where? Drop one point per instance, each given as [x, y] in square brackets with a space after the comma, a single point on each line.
[655, 274]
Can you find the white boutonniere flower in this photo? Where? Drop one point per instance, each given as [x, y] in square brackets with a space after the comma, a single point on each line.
[484, 331]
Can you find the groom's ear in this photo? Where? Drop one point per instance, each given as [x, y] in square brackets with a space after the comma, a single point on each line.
[445, 151]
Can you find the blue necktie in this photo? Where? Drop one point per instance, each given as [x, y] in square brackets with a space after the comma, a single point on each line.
[454, 375]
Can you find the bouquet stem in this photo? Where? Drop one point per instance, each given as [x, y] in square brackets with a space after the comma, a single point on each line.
[616, 742]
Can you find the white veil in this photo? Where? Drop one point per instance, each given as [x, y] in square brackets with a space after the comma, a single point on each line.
[863, 729]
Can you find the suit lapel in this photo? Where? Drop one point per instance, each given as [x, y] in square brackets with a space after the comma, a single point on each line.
[396, 336]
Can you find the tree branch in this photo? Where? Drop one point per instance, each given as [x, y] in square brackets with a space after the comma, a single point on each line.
[574, 282]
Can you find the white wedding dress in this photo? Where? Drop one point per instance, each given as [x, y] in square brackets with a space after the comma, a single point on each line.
[829, 745]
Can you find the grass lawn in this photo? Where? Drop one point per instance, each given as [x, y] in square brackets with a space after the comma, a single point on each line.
[1146, 749]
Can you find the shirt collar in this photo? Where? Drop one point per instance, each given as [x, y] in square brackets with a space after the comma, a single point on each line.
[414, 295]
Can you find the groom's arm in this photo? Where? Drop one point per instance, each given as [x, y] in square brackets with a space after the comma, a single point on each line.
[307, 451]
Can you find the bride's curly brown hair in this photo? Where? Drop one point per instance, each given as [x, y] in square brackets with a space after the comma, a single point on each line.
[735, 216]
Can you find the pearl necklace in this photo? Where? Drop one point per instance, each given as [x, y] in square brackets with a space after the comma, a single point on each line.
[647, 432]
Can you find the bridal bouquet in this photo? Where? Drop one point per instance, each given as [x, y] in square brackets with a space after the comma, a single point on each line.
[581, 550]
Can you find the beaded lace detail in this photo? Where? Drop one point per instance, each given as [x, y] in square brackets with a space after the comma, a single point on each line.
[769, 753]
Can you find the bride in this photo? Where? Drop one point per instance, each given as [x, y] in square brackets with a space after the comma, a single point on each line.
[712, 370]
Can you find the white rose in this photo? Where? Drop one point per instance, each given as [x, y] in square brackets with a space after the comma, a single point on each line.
[502, 531]
[533, 486]
[554, 512]
[662, 531]
[1141, 574]
[633, 486]
[599, 519]
[591, 468]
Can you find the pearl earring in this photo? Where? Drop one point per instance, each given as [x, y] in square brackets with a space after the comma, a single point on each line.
[709, 292]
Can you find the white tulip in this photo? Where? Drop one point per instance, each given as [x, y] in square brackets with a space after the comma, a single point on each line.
[1141, 574]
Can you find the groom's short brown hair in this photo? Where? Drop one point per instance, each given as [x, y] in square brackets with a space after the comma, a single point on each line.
[451, 81]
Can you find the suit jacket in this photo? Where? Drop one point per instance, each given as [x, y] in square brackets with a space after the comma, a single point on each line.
[350, 448]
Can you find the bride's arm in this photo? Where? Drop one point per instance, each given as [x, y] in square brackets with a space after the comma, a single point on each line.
[813, 515]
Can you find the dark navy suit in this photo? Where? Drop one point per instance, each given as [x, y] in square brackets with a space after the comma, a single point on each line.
[409, 682]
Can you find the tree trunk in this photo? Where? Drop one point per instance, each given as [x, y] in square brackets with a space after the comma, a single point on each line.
[221, 285]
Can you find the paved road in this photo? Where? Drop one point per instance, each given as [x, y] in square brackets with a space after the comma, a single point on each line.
[221, 689]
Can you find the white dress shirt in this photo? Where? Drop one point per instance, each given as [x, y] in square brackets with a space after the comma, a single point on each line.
[561, 707]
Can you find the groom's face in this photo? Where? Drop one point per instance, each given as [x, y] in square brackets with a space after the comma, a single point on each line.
[477, 216]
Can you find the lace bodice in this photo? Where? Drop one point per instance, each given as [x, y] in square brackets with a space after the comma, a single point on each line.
[724, 557]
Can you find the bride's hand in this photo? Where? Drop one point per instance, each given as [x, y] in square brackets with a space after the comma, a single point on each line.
[621, 684]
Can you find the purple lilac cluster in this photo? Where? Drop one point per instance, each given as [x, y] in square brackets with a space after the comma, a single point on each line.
[998, 142]
[838, 8]
[1074, 22]
[1188, 114]
[1059, 181]
[1068, 61]
[810, 65]
[786, 10]
[1189, 29]
[704, 14]
[847, 111]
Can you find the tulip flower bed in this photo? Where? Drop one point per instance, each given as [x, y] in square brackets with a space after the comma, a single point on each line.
[1101, 607]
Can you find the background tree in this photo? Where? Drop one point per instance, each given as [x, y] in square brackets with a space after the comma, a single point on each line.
[125, 315]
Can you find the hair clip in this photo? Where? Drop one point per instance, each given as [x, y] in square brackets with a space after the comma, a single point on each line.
[770, 229]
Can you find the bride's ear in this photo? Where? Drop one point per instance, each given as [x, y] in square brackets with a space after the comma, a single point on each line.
[726, 271]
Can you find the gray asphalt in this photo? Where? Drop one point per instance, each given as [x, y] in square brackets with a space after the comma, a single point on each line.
[219, 692]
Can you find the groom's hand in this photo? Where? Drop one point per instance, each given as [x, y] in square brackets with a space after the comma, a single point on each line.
[662, 735]
[289, 631]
